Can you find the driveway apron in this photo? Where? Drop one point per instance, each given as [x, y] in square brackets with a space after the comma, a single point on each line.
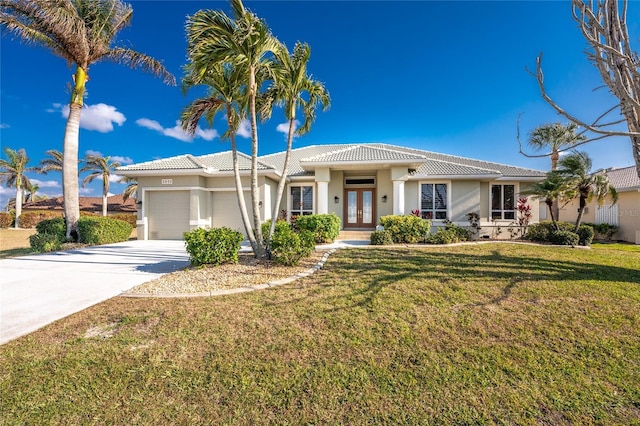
[39, 289]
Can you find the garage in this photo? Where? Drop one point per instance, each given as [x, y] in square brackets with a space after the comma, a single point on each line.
[226, 211]
[169, 213]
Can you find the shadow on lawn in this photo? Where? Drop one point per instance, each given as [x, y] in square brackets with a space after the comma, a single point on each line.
[446, 266]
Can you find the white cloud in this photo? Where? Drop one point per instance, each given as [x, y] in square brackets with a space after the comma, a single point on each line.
[244, 129]
[114, 178]
[284, 127]
[85, 191]
[7, 191]
[110, 194]
[99, 117]
[46, 183]
[177, 132]
[122, 160]
[4, 126]
[93, 152]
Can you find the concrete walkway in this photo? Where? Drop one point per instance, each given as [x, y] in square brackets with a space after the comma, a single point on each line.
[39, 289]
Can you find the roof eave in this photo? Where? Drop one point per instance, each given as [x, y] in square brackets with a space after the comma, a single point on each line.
[522, 178]
[456, 177]
[367, 164]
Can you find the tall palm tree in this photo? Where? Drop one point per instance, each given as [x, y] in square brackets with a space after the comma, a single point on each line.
[82, 32]
[550, 190]
[580, 183]
[225, 95]
[99, 167]
[246, 43]
[31, 189]
[293, 88]
[53, 163]
[557, 137]
[12, 173]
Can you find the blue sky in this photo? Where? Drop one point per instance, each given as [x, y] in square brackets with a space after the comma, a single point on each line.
[441, 76]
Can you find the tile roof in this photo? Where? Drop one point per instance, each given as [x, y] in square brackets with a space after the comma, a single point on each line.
[115, 203]
[624, 179]
[427, 163]
[221, 161]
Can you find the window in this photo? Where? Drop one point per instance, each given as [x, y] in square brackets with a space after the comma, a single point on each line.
[433, 201]
[503, 202]
[301, 200]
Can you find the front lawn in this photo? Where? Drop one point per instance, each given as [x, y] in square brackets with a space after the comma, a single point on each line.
[477, 334]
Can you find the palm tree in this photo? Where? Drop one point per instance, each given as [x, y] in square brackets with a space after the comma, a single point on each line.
[132, 187]
[556, 137]
[225, 94]
[82, 32]
[32, 188]
[580, 183]
[12, 173]
[99, 167]
[53, 163]
[550, 190]
[290, 83]
[246, 43]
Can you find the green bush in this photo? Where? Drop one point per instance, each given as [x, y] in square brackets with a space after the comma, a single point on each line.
[6, 219]
[103, 230]
[54, 226]
[586, 233]
[565, 238]
[288, 246]
[30, 219]
[451, 233]
[604, 231]
[406, 229]
[130, 218]
[381, 238]
[280, 224]
[541, 232]
[325, 227]
[44, 243]
[213, 246]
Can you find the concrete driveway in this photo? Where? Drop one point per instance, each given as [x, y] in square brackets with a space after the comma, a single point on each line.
[37, 290]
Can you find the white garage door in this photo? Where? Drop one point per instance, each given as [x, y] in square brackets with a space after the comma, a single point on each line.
[168, 214]
[226, 211]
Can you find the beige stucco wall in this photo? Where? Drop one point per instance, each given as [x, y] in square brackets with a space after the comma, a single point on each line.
[465, 198]
[411, 200]
[628, 215]
[336, 189]
[384, 187]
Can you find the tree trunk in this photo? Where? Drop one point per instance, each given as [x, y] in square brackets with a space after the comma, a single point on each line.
[18, 203]
[549, 203]
[555, 156]
[239, 191]
[105, 202]
[583, 204]
[70, 157]
[259, 251]
[282, 182]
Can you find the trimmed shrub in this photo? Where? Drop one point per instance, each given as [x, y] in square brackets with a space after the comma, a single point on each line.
[541, 232]
[381, 238]
[451, 233]
[213, 246]
[325, 227]
[55, 227]
[288, 246]
[5, 219]
[565, 238]
[103, 230]
[44, 243]
[130, 218]
[406, 229]
[586, 233]
[280, 224]
[30, 219]
[604, 231]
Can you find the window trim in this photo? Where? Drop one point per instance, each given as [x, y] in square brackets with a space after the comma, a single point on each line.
[436, 182]
[516, 195]
[290, 198]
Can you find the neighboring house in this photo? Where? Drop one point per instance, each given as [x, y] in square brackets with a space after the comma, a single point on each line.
[115, 204]
[358, 182]
[625, 214]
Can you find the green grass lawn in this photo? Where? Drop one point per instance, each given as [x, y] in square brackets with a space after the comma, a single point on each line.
[482, 334]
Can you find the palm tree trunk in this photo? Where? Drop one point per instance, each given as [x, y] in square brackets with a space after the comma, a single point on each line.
[18, 203]
[555, 156]
[70, 156]
[259, 252]
[583, 204]
[239, 192]
[549, 203]
[283, 180]
[70, 172]
[104, 204]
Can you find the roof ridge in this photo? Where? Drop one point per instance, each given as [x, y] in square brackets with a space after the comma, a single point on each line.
[156, 160]
[325, 154]
[196, 161]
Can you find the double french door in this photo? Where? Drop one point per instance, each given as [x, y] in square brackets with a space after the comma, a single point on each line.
[359, 208]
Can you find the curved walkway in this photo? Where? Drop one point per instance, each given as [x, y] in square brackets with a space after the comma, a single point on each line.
[39, 289]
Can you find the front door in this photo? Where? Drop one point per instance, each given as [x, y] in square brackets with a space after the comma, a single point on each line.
[359, 208]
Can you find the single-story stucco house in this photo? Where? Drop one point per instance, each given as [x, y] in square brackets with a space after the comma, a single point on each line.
[625, 214]
[358, 182]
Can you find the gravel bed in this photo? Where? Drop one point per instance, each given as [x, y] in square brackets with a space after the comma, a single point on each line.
[247, 272]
